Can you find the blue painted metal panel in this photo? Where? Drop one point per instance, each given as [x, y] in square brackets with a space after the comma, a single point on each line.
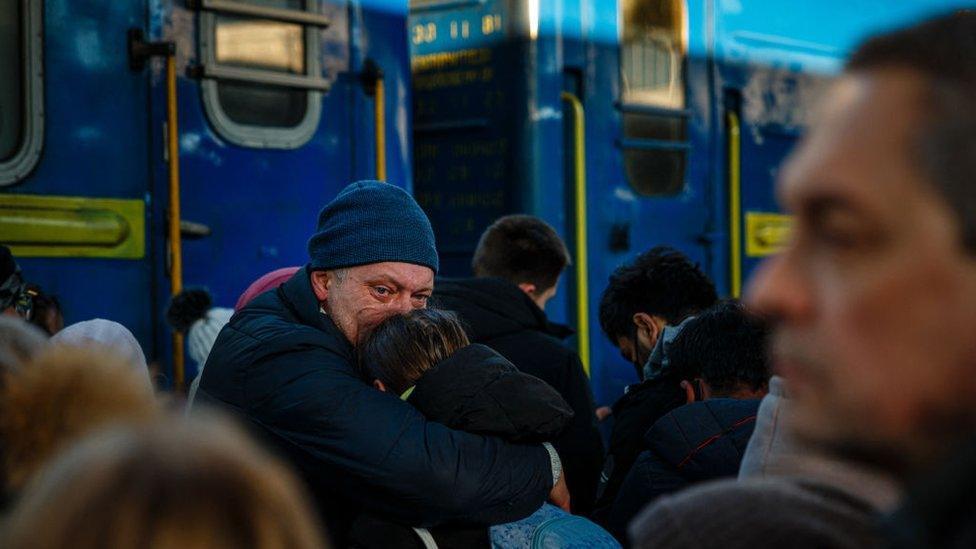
[96, 145]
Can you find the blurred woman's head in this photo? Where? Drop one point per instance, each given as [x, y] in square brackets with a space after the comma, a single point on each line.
[171, 484]
[61, 395]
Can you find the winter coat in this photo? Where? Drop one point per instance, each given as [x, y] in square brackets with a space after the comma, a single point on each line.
[284, 367]
[692, 443]
[786, 495]
[940, 510]
[633, 415]
[498, 314]
[478, 391]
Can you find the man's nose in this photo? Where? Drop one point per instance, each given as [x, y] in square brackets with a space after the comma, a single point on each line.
[403, 304]
[778, 289]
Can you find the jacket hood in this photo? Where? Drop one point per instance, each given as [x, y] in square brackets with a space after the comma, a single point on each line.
[479, 391]
[659, 362]
[704, 439]
[773, 452]
[493, 307]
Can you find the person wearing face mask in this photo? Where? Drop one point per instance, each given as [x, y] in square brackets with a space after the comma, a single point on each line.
[721, 356]
[642, 310]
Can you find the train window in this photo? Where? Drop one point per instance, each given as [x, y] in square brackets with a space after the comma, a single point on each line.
[262, 82]
[11, 104]
[652, 52]
[653, 48]
[21, 127]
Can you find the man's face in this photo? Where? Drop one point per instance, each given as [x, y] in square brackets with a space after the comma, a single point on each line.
[637, 349]
[874, 299]
[361, 297]
[628, 350]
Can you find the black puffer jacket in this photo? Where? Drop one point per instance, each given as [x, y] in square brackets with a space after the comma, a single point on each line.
[633, 414]
[478, 391]
[498, 314]
[700, 441]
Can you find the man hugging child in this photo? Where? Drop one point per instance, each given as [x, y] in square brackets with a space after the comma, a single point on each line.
[425, 357]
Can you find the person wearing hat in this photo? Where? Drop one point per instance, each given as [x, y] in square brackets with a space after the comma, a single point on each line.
[286, 364]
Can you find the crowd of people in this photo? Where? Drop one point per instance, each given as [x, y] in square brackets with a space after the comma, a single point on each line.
[360, 401]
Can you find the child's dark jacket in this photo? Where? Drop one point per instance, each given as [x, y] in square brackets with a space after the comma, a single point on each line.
[478, 391]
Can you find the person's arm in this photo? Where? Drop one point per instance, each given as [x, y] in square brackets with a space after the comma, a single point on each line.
[580, 445]
[383, 453]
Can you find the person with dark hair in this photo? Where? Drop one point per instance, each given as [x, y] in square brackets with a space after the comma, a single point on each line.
[46, 311]
[424, 356]
[872, 305]
[721, 357]
[660, 288]
[522, 248]
[722, 353]
[642, 310]
[15, 300]
[286, 364]
[517, 266]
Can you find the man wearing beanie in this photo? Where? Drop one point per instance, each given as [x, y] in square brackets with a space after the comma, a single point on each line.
[286, 363]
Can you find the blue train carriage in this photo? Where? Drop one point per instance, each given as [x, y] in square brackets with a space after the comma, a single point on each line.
[279, 104]
[625, 124]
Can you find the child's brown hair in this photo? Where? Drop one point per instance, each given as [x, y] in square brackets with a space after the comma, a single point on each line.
[403, 347]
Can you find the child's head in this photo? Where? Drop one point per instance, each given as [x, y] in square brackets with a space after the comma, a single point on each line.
[403, 347]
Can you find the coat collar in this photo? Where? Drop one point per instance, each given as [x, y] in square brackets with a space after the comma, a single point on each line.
[297, 294]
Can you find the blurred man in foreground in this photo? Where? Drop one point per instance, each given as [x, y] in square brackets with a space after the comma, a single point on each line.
[874, 299]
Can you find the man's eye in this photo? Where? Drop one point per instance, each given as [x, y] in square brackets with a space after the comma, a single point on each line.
[841, 230]
[382, 290]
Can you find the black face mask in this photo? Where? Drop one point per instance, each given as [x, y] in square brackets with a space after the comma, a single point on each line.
[638, 365]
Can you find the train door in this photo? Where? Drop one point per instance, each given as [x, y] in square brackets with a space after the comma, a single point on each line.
[74, 157]
[649, 152]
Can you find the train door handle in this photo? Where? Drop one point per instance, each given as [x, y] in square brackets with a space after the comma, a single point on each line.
[191, 230]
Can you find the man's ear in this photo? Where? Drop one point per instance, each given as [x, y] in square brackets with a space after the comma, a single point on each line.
[648, 327]
[689, 388]
[320, 284]
[528, 288]
[379, 385]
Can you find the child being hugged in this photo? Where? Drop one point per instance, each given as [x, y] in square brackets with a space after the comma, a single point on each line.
[425, 357]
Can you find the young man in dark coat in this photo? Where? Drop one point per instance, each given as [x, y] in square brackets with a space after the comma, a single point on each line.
[286, 364]
[517, 265]
[721, 356]
[641, 312]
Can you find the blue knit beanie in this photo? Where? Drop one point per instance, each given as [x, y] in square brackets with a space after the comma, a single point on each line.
[372, 222]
